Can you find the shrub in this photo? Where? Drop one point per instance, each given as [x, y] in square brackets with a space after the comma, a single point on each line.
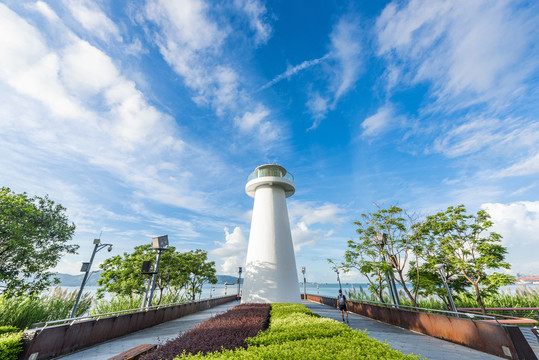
[118, 303]
[225, 331]
[8, 329]
[294, 333]
[10, 345]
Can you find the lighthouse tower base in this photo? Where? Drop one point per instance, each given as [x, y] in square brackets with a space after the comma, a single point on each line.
[271, 274]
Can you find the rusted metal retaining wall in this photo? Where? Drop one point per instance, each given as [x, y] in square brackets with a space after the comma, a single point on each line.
[504, 341]
[58, 340]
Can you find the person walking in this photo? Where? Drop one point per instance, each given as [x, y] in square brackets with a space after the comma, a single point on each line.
[341, 305]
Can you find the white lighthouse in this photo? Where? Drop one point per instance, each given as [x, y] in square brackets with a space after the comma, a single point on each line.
[270, 274]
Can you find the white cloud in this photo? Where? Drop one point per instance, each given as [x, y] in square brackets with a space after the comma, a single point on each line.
[86, 70]
[73, 105]
[303, 236]
[318, 107]
[310, 213]
[256, 11]
[232, 252]
[309, 222]
[378, 123]
[93, 19]
[45, 10]
[251, 119]
[471, 50]
[518, 223]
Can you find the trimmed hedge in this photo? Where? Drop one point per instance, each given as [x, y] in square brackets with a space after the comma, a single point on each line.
[295, 333]
[225, 331]
[10, 345]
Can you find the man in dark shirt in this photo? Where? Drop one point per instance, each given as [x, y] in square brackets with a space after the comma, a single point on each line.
[341, 305]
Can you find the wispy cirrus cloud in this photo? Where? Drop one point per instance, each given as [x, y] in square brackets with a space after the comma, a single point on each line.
[473, 58]
[474, 51]
[257, 13]
[93, 19]
[343, 70]
[380, 122]
[293, 70]
[192, 43]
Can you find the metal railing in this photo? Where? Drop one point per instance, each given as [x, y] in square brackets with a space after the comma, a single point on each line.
[454, 313]
[43, 324]
[259, 174]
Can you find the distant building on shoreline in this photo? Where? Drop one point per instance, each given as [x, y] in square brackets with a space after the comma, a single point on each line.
[527, 279]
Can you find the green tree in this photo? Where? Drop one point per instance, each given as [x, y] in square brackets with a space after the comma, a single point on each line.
[199, 269]
[34, 235]
[428, 281]
[122, 273]
[461, 242]
[365, 254]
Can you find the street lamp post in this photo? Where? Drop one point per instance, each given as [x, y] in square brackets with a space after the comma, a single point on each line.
[339, 279]
[381, 240]
[304, 285]
[159, 244]
[239, 279]
[441, 270]
[86, 269]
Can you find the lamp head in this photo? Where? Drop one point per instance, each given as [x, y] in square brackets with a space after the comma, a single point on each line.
[110, 248]
[303, 269]
[160, 242]
[439, 266]
[239, 269]
[381, 239]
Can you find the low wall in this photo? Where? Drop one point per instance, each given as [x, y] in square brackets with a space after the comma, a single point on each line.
[58, 340]
[504, 341]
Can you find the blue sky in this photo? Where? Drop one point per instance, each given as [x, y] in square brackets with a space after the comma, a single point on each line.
[145, 118]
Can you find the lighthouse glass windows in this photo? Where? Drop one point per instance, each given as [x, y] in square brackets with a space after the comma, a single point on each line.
[270, 170]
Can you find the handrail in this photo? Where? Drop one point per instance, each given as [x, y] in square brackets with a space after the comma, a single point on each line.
[514, 308]
[98, 316]
[456, 313]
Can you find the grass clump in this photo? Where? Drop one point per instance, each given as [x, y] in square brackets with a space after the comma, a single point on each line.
[296, 333]
[25, 310]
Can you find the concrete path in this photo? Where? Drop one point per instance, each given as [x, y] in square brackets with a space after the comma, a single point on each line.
[153, 335]
[401, 339]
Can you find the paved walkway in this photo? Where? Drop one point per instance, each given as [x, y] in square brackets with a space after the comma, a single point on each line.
[401, 339]
[153, 335]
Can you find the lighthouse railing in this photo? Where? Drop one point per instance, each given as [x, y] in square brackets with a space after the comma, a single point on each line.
[259, 174]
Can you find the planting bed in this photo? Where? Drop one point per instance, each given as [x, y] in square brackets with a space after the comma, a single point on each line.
[225, 331]
[296, 333]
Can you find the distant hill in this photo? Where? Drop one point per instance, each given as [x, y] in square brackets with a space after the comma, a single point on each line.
[75, 280]
[221, 279]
